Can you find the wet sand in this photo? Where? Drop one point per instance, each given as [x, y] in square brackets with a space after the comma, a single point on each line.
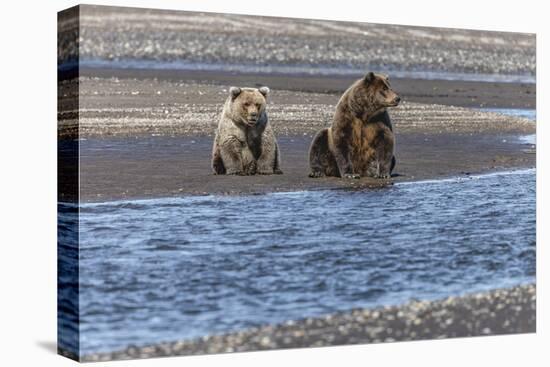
[164, 166]
[156, 134]
[497, 312]
[430, 91]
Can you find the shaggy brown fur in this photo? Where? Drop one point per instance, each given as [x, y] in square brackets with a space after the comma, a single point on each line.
[244, 143]
[360, 141]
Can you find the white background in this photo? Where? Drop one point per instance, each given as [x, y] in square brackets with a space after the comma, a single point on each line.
[28, 181]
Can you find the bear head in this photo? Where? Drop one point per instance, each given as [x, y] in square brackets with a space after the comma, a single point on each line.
[372, 94]
[247, 104]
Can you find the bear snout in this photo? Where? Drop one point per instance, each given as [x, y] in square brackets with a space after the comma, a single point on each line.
[394, 101]
[253, 117]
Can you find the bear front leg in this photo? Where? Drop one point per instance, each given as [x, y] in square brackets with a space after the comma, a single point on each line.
[386, 167]
[267, 162]
[231, 154]
[386, 157]
[277, 168]
[250, 167]
[343, 160]
[380, 164]
[217, 162]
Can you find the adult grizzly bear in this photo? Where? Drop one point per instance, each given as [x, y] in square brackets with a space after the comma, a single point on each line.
[360, 141]
[245, 143]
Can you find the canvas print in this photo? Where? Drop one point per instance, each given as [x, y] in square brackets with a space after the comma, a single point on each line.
[233, 183]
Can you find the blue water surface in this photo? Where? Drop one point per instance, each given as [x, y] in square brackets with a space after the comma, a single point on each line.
[530, 114]
[178, 268]
[527, 113]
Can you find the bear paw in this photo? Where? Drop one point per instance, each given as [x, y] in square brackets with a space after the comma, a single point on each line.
[265, 172]
[316, 174]
[352, 175]
[251, 169]
[235, 172]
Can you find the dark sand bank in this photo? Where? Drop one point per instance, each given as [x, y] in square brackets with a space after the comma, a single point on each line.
[497, 312]
[125, 168]
[433, 91]
[157, 135]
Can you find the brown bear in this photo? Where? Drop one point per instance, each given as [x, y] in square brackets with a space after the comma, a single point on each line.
[244, 143]
[360, 141]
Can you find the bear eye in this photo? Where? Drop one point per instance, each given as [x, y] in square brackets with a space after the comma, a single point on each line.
[246, 104]
[258, 105]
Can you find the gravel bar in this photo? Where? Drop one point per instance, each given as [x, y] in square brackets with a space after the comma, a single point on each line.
[269, 44]
[497, 312]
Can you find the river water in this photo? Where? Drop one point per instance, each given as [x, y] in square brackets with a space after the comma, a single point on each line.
[177, 268]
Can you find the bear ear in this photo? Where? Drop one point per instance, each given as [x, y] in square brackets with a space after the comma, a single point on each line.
[234, 92]
[264, 91]
[369, 77]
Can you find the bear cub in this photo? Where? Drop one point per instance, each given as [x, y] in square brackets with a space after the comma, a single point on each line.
[244, 143]
[360, 141]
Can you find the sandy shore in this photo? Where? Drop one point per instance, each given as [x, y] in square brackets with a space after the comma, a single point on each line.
[497, 312]
[157, 136]
[160, 166]
[149, 107]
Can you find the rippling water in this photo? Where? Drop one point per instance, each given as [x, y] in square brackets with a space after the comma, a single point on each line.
[177, 268]
[527, 113]
[530, 114]
[295, 69]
